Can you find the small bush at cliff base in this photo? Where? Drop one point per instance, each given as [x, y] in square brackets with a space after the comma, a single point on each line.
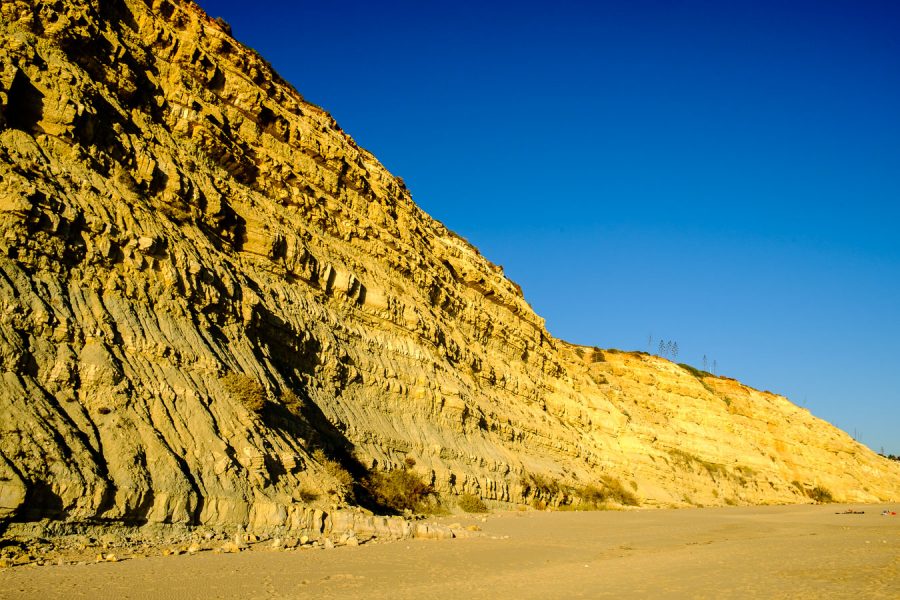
[541, 488]
[611, 490]
[618, 492]
[334, 470]
[471, 503]
[399, 490]
[591, 496]
[245, 390]
[820, 495]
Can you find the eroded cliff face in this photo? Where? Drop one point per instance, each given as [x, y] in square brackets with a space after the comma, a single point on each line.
[180, 230]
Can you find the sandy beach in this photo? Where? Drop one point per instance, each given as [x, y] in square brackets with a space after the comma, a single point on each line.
[735, 552]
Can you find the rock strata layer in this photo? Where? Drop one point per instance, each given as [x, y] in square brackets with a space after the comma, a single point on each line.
[204, 280]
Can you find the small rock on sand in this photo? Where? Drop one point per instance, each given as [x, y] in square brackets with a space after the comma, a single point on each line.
[229, 547]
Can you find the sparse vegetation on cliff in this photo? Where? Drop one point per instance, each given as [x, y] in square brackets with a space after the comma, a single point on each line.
[680, 457]
[246, 390]
[698, 373]
[334, 469]
[292, 402]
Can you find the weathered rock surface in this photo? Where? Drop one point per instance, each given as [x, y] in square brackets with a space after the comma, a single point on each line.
[203, 279]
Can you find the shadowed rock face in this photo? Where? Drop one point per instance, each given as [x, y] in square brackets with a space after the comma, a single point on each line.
[203, 280]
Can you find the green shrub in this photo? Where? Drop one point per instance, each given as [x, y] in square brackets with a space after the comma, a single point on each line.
[698, 373]
[246, 390]
[472, 503]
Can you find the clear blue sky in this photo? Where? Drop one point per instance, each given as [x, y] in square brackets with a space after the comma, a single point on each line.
[722, 174]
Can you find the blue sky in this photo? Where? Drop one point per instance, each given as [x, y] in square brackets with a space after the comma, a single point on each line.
[722, 174]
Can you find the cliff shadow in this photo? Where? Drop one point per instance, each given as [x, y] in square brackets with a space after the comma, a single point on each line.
[295, 356]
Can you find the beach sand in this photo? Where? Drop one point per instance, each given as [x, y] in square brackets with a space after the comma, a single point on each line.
[734, 552]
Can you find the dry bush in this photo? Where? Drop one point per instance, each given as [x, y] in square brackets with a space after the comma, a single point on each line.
[471, 503]
[611, 490]
[591, 495]
[820, 494]
[245, 390]
[546, 491]
[292, 402]
[223, 24]
[306, 495]
[617, 492]
[540, 486]
[334, 469]
[400, 489]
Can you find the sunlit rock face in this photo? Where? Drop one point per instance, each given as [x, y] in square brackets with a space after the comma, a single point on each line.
[203, 280]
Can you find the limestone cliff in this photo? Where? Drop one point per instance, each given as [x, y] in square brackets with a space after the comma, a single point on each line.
[203, 280]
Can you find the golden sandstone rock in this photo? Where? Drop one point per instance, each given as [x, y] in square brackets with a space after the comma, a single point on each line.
[174, 217]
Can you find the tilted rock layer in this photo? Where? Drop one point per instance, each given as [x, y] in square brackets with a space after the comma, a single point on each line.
[203, 280]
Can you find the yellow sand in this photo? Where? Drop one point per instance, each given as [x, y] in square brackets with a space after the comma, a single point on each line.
[746, 552]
